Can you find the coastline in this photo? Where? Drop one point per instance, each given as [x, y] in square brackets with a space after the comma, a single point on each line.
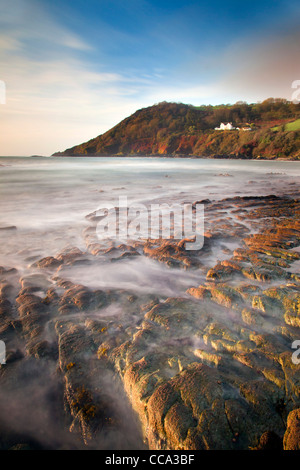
[177, 156]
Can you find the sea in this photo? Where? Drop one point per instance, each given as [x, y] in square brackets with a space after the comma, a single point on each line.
[45, 208]
[47, 199]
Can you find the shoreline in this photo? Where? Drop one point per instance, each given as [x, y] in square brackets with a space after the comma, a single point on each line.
[182, 156]
[151, 156]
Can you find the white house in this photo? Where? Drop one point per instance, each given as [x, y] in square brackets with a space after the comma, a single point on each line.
[225, 127]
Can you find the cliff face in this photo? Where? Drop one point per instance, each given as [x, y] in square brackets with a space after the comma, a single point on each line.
[179, 129]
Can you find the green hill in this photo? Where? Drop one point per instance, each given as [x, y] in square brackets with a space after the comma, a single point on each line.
[266, 130]
[290, 126]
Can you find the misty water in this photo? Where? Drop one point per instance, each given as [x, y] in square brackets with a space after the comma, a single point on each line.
[43, 207]
[47, 199]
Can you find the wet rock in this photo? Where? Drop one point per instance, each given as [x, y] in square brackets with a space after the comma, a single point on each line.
[209, 370]
[43, 350]
[291, 439]
[83, 298]
[200, 292]
[36, 281]
[48, 263]
[269, 441]
[6, 289]
[13, 356]
[252, 317]
[70, 255]
[292, 379]
[8, 228]
[30, 304]
[7, 271]
[171, 253]
[227, 296]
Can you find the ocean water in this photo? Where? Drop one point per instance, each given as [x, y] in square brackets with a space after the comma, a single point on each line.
[47, 199]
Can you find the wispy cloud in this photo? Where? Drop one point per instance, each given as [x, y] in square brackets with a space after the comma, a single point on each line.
[25, 21]
[70, 78]
[56, 95]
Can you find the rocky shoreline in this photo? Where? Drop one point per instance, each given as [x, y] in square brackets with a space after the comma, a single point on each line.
[115, 368]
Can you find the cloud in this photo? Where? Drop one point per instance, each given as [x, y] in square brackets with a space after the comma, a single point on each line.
[8, 44]
[23, 20]
[64, 89]
[55, 97]
[56, 104]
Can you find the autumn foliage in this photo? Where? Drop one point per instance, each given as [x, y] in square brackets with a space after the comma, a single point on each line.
[180, 129]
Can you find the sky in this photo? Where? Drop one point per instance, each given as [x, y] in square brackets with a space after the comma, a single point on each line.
[72, 69]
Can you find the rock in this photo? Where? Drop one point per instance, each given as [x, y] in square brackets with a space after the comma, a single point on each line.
[252, 317]
[70, 255]
[269, 441]
[227, 296]
[30, 304]
[200, 292]
[210, 369]
[82, 298]
[49, 263]
[172, 253]
[291, 439]
[9, 227]
[13, 356]
[43, 350]
[7, 271]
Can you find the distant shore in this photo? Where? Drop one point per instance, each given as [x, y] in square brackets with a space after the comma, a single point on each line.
[176, 130]
[204, 157]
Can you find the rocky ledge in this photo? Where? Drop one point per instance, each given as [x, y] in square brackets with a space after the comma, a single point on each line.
[114, 368]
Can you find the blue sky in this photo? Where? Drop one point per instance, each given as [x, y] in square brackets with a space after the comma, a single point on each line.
[74, 68]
